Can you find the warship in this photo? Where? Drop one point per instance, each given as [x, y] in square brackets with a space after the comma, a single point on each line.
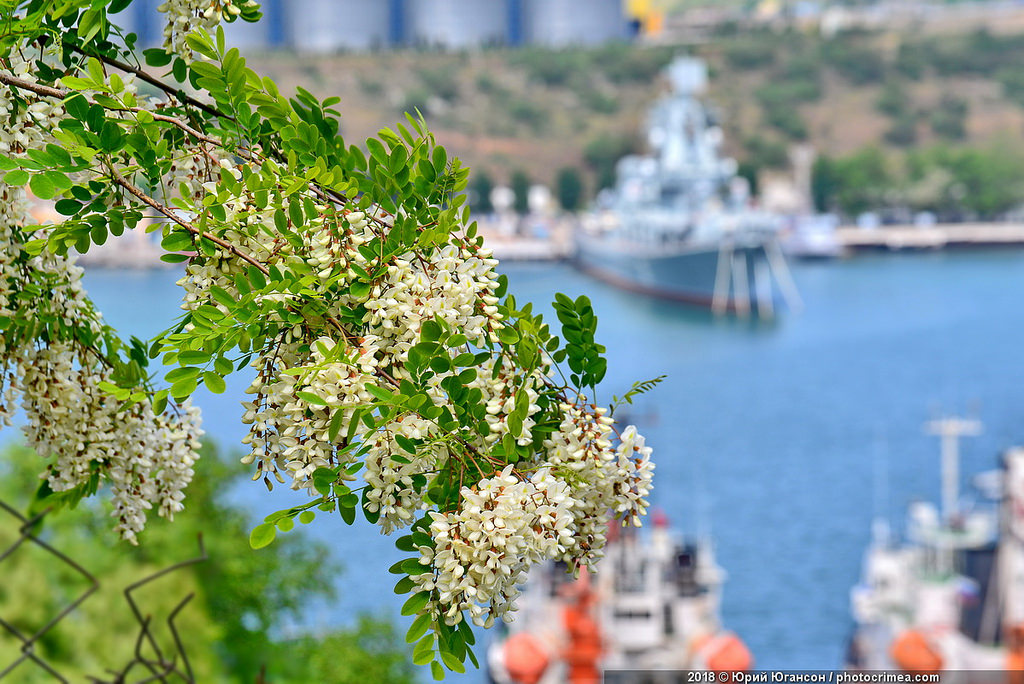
[680, 223]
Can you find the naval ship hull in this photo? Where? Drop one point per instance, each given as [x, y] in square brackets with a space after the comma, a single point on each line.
[683, 275]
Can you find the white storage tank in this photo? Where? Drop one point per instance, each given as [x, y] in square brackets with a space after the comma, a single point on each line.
[456, 23]
[142, 19]
[558, 23]
[333, 25]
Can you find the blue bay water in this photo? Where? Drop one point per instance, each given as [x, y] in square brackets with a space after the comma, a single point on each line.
[772, 438]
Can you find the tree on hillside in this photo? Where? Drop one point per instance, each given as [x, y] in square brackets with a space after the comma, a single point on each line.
[603, 153]
[350, 277]
[824, 183]
[569, 188]
[480, 189]
[242, 598]
[521, 192]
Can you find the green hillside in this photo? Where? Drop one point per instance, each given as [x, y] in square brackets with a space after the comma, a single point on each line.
[540, 111]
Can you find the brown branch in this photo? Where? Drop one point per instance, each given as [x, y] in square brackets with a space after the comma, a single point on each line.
[36, 88]
[325, 193]
[171, 214]
[154, 81]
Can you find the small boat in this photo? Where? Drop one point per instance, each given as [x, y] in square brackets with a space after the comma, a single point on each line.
[952, 596]
[651, 605]
[679, 223]
[813, 237]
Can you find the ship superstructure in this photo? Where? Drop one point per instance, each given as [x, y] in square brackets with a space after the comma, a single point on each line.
[653, 604]
[679, 223]
[952, 597]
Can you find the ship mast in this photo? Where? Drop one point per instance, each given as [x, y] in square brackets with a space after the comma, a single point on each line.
[950, 430]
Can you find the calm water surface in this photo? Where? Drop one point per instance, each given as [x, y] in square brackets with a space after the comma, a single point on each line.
[781, 441]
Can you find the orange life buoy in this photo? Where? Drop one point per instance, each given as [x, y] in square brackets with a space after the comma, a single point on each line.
[525, 658]
[912, 652]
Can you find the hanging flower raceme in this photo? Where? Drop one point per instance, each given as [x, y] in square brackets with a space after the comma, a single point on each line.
[88, 434]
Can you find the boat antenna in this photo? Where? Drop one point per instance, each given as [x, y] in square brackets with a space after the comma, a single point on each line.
[700, 500]
[950, 430]
[880, 527]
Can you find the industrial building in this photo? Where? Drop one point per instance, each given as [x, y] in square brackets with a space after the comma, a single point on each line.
[456, 23]
[325, 26]
[557, 23]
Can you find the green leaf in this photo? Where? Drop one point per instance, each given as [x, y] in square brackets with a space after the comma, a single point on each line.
[222, 297]
[337, 421]
[415, 603]
[406, 444]
[89, 25]
[41, 186]
[191, 357]
[223, 365]
[16, 177]
[285, 524]
[404, 586]
[399, 156]
[67, 206]
[311, 398]
[214, 382]
[412, 566]
[439, 160]
[381, 394]
[111, 137]
[257, 278]
[183, 388]
[262, 535]
[453, 663]
[508, 335]
[348, 513]
[423, 653]
[157, 57]
[178, 241]
[377, 151]
[430, 331]
[419, 625]
[306, 517]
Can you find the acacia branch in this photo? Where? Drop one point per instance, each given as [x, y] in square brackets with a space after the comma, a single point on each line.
[325, 193]
[153, 80]
[37, 88]
[171, 214]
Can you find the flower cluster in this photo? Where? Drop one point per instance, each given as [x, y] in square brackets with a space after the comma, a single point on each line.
[147, 458]
[614, 481]
[186, 16]
[70, 418]
[453, 285]
[499, 395]
[313, 380]
[296, 396]
[391, 472]
[482, 551]
[27, 119]
[378, 338]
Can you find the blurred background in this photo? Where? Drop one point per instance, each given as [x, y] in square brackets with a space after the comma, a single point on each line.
[808, 216]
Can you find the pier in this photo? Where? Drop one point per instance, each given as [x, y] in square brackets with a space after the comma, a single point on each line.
[940, 236]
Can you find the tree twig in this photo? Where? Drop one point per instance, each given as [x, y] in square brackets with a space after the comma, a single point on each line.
[46, 91]
[171, 214]
[154, 81]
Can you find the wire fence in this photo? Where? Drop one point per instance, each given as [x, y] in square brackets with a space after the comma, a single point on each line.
[150, 662]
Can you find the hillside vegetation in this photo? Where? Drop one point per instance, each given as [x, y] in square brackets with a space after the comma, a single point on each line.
[540, 111]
